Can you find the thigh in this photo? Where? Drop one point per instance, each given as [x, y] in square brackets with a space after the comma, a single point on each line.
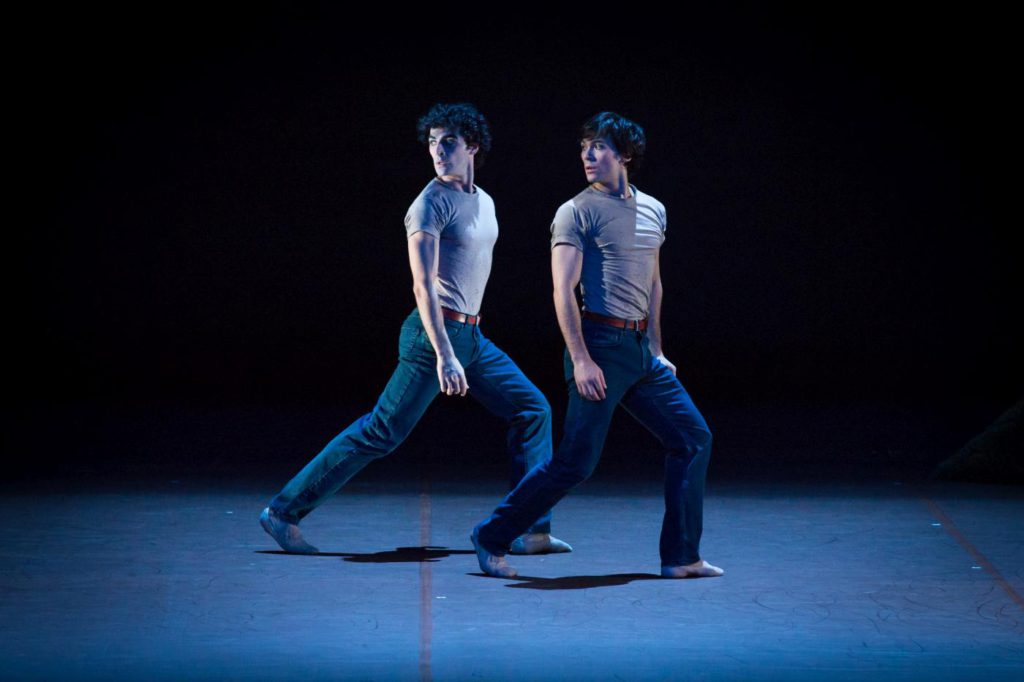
[662, 405]
[587, 421]
[413, 385]
[499, 385]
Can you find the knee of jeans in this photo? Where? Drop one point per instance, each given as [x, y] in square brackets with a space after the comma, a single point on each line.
[544, 407]
[380, 439]
[540, 405]
[570, 474]
[538, 413]
[691, 443]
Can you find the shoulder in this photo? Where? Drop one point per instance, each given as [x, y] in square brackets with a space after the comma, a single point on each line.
[647, 204]
[430, 211]
[433, 193]
[644, 199]
[570, 213]
[483, 197]
[585, 198]
[433, 198]
[578, 206]
[571, 224]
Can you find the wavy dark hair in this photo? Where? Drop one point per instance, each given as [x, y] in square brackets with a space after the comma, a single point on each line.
[627, 136]
[462, 119]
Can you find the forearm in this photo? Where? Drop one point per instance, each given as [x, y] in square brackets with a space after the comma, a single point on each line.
[429, 306]
[654, 319]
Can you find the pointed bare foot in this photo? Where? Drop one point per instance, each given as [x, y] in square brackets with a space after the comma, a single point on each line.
[493, 565]
[287, 535]
[538, 543]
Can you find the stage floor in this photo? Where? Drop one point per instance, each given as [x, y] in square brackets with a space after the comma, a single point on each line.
[868, 581]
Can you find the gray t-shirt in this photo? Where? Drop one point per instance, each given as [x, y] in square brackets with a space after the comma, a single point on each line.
[619, 239]
[467, 228]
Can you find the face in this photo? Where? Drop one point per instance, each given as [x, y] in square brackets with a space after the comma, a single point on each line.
[602, 162]
[451, 155]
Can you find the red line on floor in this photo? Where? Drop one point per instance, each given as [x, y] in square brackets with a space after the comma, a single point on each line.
[426, 587]
[975, 553]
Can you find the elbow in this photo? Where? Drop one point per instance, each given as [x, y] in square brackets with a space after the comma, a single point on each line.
[421, 291]
[561, 293]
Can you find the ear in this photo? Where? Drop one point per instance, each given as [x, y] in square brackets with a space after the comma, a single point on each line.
[625, 159]
[472, 148]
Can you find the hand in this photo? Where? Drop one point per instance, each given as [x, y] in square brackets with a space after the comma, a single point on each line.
[452, 376]
[589, 379]
[663, 360]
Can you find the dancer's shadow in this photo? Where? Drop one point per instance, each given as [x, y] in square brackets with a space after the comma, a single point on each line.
[398, 555]
[578, 582]
[405, 554]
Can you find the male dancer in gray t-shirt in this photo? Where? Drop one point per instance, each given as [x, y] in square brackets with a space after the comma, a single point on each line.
[608, 239]
[451, 229]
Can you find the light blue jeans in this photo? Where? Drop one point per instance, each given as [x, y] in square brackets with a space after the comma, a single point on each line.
[653, 396]
[494, 380]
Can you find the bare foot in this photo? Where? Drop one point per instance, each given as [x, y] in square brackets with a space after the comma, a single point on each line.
[287, 535]
[539, 543]
[493, 565]
[698, 569]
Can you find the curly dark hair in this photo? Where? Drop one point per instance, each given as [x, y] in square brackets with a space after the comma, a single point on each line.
[462, 119]
[627, 136]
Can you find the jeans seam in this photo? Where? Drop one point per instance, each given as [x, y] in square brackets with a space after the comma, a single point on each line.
[312, 486]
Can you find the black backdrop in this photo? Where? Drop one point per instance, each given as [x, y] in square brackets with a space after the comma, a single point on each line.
[215, 198]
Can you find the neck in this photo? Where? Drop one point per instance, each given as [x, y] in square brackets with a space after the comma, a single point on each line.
[619, 188]
[462, 183]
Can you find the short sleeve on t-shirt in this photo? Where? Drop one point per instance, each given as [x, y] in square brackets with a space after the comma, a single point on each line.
[427, 214]
[567, 227]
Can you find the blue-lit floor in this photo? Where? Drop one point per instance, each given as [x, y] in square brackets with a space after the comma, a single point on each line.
[862, 582]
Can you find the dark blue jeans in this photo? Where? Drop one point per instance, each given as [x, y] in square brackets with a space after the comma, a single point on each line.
[654, 396]
[494, 380]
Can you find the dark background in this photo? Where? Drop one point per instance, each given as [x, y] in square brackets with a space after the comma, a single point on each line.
[210, 270]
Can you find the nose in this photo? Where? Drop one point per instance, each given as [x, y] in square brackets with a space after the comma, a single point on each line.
[587, 153]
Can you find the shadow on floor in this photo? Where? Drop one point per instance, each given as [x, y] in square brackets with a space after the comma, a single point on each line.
[578, 582]
[393, 556]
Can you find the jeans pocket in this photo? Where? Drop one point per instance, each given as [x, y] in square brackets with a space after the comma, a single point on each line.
[454, 329]
[601, 336]
[408, 339]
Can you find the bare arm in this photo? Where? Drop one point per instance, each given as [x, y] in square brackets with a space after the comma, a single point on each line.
[423, 250]
[566, 266]
[654, 316]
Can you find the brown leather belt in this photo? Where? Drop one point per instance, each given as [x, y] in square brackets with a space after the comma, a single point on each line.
[460, 317]
[638, 325]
